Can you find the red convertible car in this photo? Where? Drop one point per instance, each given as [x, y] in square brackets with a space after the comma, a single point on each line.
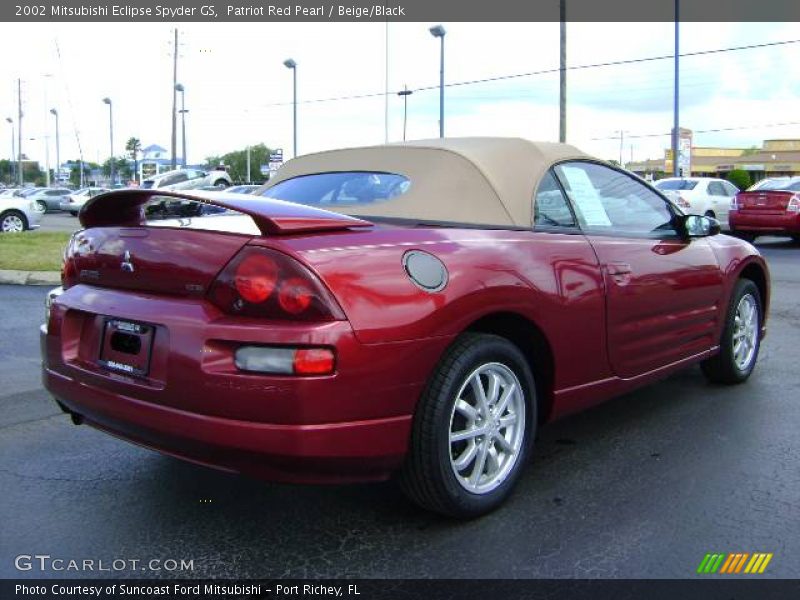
[417, 309]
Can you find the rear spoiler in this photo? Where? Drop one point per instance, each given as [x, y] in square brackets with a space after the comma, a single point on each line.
[125, 208]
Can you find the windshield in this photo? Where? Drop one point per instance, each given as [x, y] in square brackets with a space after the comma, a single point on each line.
[346, 188]
[675, 184]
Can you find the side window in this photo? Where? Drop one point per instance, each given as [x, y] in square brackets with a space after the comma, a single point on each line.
[550, 208]
[730, 189]
[608, 201]
[715, 188]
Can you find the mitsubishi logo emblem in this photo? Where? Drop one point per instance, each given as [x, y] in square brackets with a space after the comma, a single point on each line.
[127, 262]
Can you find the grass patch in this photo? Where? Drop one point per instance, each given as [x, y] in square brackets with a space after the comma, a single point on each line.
[32, 250]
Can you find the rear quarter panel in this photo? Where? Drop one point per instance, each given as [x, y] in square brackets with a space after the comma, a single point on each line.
[551, 279]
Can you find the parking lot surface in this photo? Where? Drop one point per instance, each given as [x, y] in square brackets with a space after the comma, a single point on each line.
[643, 486]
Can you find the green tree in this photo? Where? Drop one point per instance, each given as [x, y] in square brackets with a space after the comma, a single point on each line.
[75, 171]
[122, 168]
[7, 171]
[134, 146]
[740, 178]
[236, 162]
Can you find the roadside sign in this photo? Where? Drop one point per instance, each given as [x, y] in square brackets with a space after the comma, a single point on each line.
[264, 170]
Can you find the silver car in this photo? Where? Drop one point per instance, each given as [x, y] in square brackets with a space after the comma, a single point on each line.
[18, 213]
[49, 198]
[75, 201]
[188, 179]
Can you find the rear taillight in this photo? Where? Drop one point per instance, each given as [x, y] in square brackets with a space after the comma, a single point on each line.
[285, 361]
[260, 282]
[69, 272]
[794, 204]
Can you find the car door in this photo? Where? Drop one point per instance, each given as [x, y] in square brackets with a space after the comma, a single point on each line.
[719, 201]
[663, 291]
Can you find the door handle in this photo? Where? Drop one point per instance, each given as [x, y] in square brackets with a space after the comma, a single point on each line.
[618, 269]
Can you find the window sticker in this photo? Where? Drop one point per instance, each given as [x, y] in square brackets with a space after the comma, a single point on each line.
[585, 196]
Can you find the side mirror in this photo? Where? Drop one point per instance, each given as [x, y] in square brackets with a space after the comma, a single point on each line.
[700, 226]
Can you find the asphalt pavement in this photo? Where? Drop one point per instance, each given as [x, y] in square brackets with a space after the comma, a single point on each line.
[640, 487]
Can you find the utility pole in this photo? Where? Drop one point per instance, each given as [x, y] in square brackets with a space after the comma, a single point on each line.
[676, 103]
[20, 175]
[386, 89]
[54, 112]
[562, 116]
[248, 164]
[405, 93]
[13, 161]
[175, 101]
[621, 142]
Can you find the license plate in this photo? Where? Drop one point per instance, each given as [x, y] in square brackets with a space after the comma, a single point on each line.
[126, 347]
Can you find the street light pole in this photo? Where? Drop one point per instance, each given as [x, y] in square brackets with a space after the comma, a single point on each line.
[291, 64]
[439, 32]
[621, 141]
[20, 173]
[562, 96]
[405, 93]
[111, 136]
[13, 161]
[676, 103]
[54, 112]
[179, 87]
[174, 100]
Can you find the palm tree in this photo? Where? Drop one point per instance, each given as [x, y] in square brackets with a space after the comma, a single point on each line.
[134, 146]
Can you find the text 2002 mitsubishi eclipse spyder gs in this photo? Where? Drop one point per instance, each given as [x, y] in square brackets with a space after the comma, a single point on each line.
[416, 309]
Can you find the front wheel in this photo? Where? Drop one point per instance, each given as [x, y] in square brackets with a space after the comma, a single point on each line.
[741, 337]
[473, 428]
[13, 221]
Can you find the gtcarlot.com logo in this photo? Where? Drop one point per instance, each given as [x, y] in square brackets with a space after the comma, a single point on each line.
[734, 563]
[46, 562]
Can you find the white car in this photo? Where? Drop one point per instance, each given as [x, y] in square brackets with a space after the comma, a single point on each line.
[188, 179]
[700, 195]
[18, 213]
[75, 201]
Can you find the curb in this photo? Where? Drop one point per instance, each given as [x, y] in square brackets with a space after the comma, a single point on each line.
[30, 277]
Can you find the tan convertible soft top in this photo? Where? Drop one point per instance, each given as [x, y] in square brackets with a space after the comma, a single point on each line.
[476, 180]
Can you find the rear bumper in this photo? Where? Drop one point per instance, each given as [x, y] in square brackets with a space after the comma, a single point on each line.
[752, 221]
[350, 426]
[322, 453]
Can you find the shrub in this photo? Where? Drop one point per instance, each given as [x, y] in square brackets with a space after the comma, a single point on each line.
[740, 178]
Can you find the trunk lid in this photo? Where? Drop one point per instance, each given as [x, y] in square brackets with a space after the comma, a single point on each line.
[152, 259]
[764, 201]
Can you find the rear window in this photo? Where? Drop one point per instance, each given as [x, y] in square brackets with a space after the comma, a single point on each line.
[675, 184]
[789, 185]
[344, 188]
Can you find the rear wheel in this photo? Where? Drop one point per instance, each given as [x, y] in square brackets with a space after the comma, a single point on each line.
[741, 337]
[221, 183]
[796, 238]
[13, 221]
[473, 429]
[42, 205]
[745, 235]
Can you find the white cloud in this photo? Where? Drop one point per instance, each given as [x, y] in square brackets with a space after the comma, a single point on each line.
[234, 80]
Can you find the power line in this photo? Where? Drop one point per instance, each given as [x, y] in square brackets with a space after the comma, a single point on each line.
[629, 61]
[696, 131]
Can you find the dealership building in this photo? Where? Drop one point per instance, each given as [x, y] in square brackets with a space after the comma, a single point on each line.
[775, 158]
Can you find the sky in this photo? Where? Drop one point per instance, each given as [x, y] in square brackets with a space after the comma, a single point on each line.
[238, 92]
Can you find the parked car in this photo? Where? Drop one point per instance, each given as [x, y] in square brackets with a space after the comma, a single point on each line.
[700, 195]
[771, 207]
[187, 179]
[243, 189]
[75, 201]
[418, 308]
[49, 198]
[18, 214]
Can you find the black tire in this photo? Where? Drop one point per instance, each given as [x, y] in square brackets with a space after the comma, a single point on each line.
[427, 476]
[722, 367]
[221, 183]
[42, 205]
[15, 215]
[710, 213]
[796, 238]
[745, 235]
